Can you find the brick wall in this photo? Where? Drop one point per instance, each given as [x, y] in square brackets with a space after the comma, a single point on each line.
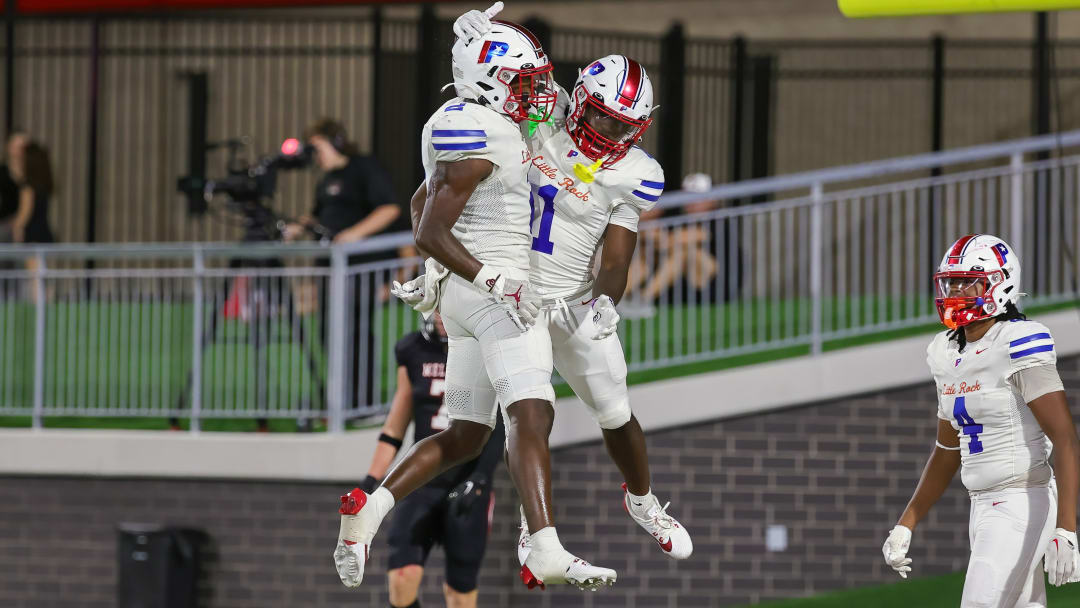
[836, 474]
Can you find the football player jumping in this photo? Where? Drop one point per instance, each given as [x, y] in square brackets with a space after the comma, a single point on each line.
[1001, 410]
[576, 209]
[475, 225]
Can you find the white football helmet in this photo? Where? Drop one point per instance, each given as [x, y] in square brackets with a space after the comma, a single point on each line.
[506, 70]
[610, 108]
[974, 260]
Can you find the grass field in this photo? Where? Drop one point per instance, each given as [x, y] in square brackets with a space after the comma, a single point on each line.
[931, 592]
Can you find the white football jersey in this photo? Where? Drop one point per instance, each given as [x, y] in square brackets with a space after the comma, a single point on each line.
[494, 226]
[1001, 442]
[569, 216]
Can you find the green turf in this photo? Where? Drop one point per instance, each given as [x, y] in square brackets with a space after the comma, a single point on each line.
[138, 355]
[929, 592]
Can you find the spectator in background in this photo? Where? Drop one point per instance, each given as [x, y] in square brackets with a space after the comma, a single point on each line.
[9, 190]
[34, 178]
[32, 173]
[354, 200]
[670, 254]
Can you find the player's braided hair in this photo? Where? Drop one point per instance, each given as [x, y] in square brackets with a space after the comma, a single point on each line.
[1012, 313]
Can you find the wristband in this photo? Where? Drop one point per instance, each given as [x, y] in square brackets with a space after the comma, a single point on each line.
[383, 437]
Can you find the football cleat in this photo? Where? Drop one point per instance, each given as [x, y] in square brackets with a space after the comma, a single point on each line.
[561, 567]
[673, 539]
[359, 523]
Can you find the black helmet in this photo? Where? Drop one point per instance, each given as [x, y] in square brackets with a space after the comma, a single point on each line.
[430, 333]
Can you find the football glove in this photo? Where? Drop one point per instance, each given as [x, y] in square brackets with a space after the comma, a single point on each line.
[1062, 559]
[896, 548]
[466, 496]
[423, 292]
[475, 24]
[604, 316]
[519, 297]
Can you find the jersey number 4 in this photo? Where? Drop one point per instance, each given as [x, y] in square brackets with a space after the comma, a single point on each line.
[967, 426]
[542, 241]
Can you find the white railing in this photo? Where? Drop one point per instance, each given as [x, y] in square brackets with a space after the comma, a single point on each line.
[205, 331]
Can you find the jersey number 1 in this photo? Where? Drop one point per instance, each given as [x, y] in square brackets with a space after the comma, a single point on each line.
[968, 426]
[542, 241]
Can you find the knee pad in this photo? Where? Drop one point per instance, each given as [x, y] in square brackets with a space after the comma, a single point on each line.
[611, 414]
[607, 399]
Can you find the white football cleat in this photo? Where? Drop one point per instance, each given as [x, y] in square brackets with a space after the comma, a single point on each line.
[561, 567]
[673, 539]
[359, 523]
[524, 545]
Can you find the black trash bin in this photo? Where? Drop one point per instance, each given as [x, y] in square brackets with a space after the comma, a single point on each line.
[158, 566]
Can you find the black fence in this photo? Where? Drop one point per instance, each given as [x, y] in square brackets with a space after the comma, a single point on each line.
[111, 97]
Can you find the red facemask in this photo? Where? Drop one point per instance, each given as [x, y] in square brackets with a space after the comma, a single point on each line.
[593, 144]
[958, 311]
[532, 91]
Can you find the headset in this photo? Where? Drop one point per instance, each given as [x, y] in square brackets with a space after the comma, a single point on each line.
[335, 133]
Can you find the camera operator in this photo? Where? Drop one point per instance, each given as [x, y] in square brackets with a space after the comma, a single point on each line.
[354, 200]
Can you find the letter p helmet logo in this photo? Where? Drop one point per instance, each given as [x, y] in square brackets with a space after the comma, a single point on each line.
[1001, 252]
[492, 49]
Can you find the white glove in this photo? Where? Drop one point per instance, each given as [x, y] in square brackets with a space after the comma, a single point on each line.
[475, 24]
[423, 292]
[604, 317]
[896, 548]
[520, 298]
[1062, 559]
[411, 292]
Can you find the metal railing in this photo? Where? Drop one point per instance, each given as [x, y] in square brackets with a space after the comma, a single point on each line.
[205, 331]
[734, 108]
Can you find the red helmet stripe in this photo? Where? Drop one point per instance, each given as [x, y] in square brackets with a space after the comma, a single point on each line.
[629, 93]
[484, 51]
[957, 251]
[524, 32]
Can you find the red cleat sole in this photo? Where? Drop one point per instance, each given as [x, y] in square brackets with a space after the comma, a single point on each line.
[530, 581]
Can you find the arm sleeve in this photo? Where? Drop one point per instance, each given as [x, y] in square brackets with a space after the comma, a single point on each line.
[1030, 345]
[1034, 382]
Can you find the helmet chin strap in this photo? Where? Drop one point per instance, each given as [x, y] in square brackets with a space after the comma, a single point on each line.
[477, 94]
